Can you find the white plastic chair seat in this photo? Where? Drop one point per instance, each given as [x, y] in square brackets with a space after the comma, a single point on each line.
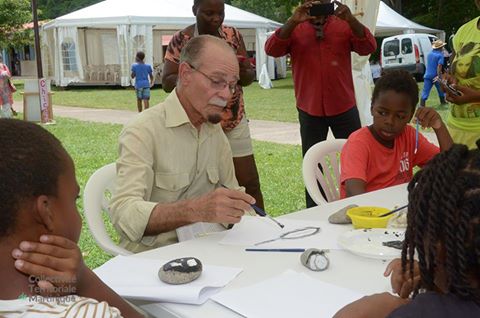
[325, 154]
[95, 202]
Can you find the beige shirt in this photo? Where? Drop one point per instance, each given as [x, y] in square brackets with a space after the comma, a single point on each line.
[70, 306]
[164, 158]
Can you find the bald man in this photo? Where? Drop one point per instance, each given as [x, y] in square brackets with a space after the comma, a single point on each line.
[175, 164]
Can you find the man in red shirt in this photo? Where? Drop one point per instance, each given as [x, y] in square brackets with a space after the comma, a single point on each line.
[320, 48]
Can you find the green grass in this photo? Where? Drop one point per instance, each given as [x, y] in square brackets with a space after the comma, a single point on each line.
[276, 104]
[94, 145]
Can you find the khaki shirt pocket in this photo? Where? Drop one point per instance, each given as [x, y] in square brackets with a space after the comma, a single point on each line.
[212, 174]
[169, 186]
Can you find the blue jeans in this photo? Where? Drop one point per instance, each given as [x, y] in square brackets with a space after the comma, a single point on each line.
[427, 87]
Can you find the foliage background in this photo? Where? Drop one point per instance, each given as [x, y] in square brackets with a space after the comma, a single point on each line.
[447, 15]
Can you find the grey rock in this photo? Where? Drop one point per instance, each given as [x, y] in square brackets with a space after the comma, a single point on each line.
[315, 259]
[341, 217]
[180, 271]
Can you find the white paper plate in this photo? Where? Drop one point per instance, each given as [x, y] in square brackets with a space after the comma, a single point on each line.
[368, 242]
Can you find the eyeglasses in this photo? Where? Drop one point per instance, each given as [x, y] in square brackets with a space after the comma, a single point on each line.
[217, 84]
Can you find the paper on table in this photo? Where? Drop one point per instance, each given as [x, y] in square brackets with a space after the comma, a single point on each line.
[290, 294]
[253, 229]
[196, 230]
[137, 278]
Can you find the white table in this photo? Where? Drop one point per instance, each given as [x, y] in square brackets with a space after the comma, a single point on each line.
[346, 270]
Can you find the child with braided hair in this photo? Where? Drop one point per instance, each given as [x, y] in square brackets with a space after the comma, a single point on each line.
[443, 233]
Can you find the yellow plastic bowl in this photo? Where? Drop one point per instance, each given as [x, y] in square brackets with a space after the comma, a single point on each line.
[366, 217]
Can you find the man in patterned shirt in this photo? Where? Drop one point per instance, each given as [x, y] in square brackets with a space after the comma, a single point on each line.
[209, 18]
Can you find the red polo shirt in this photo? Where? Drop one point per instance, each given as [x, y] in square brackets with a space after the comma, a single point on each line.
[322, 69]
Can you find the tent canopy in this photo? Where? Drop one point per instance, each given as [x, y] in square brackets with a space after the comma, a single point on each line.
[389, 22]
[167, 14]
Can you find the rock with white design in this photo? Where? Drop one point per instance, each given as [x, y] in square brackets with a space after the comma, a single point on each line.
[180, 271]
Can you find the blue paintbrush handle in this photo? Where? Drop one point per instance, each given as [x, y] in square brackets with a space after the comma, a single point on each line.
[293, 250]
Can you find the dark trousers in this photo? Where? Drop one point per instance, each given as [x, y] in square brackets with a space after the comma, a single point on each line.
[314, 129]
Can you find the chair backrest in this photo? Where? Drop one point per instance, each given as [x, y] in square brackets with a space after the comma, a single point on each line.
[325, 154]
[96, 197]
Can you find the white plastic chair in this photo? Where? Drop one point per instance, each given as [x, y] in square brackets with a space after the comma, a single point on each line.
[95, 202]
[325, 154]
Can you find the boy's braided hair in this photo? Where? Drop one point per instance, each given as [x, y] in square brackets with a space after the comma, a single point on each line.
[444, 222]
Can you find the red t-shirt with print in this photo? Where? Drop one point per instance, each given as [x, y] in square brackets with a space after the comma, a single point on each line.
[363, 157]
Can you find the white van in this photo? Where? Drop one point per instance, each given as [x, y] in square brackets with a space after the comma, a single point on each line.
[408, 52]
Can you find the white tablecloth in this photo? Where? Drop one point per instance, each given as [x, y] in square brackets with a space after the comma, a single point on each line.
[346, 270]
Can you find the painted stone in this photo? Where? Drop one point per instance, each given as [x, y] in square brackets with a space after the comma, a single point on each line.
[315, 259]
[180, 271]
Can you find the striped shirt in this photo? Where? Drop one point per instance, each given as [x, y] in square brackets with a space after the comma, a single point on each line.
[67, 306]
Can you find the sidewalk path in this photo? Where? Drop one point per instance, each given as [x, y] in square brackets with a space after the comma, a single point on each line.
[263, 130]
[279, 132]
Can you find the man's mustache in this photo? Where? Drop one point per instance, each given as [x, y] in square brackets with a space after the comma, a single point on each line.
[218, 102]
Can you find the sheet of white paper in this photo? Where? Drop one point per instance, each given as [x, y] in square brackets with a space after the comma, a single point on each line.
[290, 294]
[137, 278]
[253, 230]
[195, 230]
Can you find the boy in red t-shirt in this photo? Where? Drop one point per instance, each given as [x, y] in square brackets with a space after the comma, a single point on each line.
[384, 154]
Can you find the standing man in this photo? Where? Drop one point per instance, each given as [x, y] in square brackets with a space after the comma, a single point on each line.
[320, 48]
[143, 75]
[435, 61]
[209, 16]
[175, 165]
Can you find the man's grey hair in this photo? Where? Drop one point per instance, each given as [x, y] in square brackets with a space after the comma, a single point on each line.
[192, 52]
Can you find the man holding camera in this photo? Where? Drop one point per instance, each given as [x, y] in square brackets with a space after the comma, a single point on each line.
[319, 39]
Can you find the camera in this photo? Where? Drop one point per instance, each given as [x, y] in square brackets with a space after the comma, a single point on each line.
[322, 9]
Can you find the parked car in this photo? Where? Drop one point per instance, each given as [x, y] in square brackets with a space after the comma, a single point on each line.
[408, 52]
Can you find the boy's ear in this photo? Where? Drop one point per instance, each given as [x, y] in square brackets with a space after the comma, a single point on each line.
[43, 213]
[194, 10]
[371, 110]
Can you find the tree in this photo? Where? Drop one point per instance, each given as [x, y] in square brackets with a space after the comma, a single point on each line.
[277, 10]
[441, 14]
[13, 15]
[51, 9]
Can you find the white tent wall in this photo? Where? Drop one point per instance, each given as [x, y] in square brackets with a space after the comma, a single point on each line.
[68, 61]
[140, 19]
[123, 49]
[362, 76]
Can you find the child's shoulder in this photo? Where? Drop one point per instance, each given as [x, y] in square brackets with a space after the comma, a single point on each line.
[362, 134]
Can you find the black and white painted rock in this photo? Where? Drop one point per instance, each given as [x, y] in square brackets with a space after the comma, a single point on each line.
[180, 271]
[315, 259]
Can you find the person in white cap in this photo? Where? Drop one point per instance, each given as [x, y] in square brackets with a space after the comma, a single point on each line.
[435, 61]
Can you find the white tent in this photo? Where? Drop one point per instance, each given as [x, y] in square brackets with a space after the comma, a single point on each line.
[98, 43]
[390, 22]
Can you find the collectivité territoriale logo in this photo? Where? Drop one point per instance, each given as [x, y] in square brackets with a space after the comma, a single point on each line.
[59, 290]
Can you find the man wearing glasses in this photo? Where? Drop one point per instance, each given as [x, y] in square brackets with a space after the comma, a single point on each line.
[175, 167]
